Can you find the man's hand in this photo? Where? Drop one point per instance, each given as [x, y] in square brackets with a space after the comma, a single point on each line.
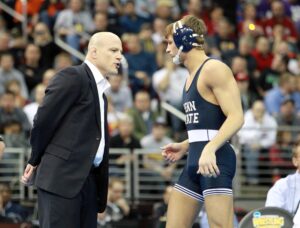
[28, 175]
[173, 151]
[207, 162]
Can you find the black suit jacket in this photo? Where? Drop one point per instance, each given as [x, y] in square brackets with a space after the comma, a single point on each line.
[66, 135]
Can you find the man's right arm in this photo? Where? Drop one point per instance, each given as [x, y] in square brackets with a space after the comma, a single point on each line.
[61, 94]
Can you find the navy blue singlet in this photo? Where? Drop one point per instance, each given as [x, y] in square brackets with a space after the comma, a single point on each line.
[203, 120]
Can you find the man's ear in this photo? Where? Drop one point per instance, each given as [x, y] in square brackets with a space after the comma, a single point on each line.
[94, 52]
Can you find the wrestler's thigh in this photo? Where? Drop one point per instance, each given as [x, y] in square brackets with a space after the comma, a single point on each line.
[182, 210]
[219, 210]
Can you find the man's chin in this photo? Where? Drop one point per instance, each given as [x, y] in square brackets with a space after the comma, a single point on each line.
[110, 73]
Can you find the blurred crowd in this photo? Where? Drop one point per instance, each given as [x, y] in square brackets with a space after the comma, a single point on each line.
[258, 39]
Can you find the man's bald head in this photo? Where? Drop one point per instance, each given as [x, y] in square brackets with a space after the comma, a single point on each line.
[105, 52]
[101, 38]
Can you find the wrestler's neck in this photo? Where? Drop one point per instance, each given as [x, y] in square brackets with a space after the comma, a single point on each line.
[194, 59]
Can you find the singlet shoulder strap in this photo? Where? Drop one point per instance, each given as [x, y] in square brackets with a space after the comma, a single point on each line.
[200, 68]
[195, 79]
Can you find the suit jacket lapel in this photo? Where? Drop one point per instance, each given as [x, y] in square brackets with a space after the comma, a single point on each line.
[95, 93]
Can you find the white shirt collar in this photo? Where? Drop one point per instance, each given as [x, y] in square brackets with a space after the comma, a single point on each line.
[96, 73]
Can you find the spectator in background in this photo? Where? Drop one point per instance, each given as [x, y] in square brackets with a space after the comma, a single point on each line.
[113, 11]
[119, 94]
[145, 8]
[279, 17]
[130, 21]
[280, 154]
[285, 192]
[101, 22]
[49, 11]
[152, 142]
[285, 88]
[32, 10]
[224, 40]
[250, 25]
[47, 76]
[196, 8]
[270, 77]
[247, 96]
[167, 9]
[8, 72]
[113, 118]
[31, 69]
[262, 54]
[8, 112]
[280, 45]
[43, 38]
[257, 135]
[160, 208]
[159, 25]
[13, 211]
[142, 114]
[124, 139]
[244, 51]
[139, 69]
[73, 23]
[62, 60]
[117, 207]
[13, 134]
[168, 83]
[239, 65]
[145, 36]
[31, 109]
[215, 16]
[287, 115]
[15, 87]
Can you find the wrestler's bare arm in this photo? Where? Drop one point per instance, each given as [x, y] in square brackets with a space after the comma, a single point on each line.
[220, 80]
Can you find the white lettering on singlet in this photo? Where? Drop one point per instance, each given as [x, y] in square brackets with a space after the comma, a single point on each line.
[191, 114]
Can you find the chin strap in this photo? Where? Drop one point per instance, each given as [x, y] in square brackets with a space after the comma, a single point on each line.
[176, 58]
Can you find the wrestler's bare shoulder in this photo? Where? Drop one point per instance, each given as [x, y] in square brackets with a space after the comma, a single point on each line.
[216, 71]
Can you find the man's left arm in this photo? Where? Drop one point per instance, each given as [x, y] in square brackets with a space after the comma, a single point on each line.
[221, 82]
[224, 87]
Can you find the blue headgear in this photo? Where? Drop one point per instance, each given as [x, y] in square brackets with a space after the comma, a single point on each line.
[184, 37]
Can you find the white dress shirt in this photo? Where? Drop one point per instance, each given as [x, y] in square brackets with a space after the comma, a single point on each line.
[253, 132]
[285, 193]
[102, 85]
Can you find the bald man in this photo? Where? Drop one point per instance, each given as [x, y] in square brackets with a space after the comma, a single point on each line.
[69, 140]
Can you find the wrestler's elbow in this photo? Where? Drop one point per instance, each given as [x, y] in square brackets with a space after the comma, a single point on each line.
[239, 119]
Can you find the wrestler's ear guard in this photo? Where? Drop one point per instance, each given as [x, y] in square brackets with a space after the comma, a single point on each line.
[184, 37]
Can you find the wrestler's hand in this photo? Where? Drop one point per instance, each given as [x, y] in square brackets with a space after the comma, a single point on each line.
[173, 151]
[207, 162]
[28, 174]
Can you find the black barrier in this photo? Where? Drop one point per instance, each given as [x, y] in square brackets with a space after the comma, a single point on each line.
[267, 217]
